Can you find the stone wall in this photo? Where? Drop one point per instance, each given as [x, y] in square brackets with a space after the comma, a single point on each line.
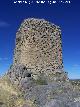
[38, 46]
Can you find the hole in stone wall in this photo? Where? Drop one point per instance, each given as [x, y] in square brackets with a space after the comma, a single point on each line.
[28, 75]
[1, 103]
[24, 68]
[18, 39]
[33, 39]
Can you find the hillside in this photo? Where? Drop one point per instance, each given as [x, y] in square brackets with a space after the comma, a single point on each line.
[11, 96]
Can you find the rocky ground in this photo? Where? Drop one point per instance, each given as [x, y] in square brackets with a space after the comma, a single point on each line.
[28, 92]
[23, 90]
[11, 96]
[75, 82]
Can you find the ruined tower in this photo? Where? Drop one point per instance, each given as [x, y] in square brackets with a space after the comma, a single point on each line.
[37, 67]
[38, 46]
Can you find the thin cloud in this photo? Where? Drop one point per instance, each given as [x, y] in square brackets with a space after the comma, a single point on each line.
[74, 71]
[4, 24]
[3, 59]
[76, 67]
[0, 59]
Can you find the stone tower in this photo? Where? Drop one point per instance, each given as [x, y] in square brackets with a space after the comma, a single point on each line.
[38, 46]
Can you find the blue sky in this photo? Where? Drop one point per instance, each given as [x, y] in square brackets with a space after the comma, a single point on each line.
[67, 16]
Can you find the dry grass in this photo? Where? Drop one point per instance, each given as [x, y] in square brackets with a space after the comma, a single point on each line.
[10, 96]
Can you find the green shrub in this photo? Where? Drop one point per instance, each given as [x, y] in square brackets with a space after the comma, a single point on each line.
[41, 81]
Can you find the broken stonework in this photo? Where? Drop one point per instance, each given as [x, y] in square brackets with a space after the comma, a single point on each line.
[38, 51]
[38, 46]
[38, 66]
